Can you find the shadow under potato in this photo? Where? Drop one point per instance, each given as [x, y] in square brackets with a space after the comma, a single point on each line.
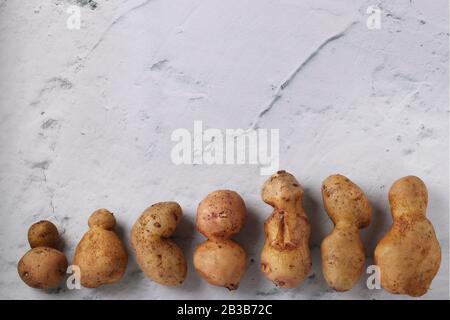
[380, 223]
[184, 236]
[251, 238]
[320, 224]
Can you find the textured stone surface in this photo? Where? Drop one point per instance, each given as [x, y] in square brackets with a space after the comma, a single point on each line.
[86, 117]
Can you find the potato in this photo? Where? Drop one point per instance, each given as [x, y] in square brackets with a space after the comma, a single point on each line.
[409, 255]
[43, 234]
[102, 218]
[160, 258]
[221, 214]
[285, 258]
[220, 261]
[42, 268]
[342, 251]
[100, 255]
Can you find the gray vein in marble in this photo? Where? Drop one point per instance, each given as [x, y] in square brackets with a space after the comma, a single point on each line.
[51, 84]
[47, 189]
[115, 22]
[189, 15]
[325, 10]
[279, 91]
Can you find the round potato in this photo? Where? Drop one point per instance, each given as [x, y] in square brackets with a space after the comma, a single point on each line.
[102, 218]
[43, 234]
[221, 214]
[220, 263]
[42, 268]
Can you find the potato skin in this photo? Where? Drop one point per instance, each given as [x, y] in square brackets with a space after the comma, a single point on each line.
[220, 263]
[343, 258]
[42, 268]
[342, 251]
[221, 214]
[219, 260]
[409, 255]
[345, 202]
[102, 218]
[285, 257]
[101, 256]
[43, 234]
[159, 258]
[285, 267]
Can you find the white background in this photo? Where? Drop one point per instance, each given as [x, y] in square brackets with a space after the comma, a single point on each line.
[86, 117]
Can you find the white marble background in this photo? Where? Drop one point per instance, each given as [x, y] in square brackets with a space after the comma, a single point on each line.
[86, 117]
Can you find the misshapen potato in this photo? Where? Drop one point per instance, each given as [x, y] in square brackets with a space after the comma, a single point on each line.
[43, 267]
[100, 255]
[285, 258]
[159, 257]
[342, 251]
[219, 260]
[409, 255]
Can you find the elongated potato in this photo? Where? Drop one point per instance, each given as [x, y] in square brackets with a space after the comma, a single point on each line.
[159, 257]
[342, 250]
[285, 258]
[409, 255]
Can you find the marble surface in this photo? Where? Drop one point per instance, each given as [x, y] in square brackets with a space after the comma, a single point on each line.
[86, 118]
